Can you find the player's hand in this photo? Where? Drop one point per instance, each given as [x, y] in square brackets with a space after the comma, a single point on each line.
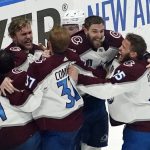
[7, 86]
[46, 50]
[42, 47]
[46, 53]
[73, 73]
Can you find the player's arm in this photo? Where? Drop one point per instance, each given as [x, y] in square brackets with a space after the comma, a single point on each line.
[28, 98]
[99, 72]
[103, 88]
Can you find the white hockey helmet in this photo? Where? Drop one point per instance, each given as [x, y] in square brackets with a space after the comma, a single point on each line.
[74, 17]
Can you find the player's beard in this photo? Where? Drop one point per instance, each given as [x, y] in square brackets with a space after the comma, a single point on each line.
[25, 44]
[95, 42]
[124, 58]
[28, 44]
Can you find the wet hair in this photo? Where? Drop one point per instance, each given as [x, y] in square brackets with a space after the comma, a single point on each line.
[138, 44]
[93, 20]
[59, 39]
[6, 62]
[16, 25]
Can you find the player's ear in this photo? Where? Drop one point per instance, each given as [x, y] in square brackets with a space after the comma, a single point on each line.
[85, 30]
[133, 54]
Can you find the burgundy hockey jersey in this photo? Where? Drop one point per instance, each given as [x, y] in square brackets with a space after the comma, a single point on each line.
[16, 126]
[96, 57]
[22, 57]
[127, 93]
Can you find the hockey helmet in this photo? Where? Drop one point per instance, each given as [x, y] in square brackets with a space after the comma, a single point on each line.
[74, 17]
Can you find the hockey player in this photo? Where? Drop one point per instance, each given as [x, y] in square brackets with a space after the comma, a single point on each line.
[127, 93]
[21, 47]
[96, 47]
[17, 129]
[22, 40]
[73, 20]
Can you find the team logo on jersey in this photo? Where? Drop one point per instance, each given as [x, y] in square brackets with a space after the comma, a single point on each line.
[15, 49]
[16, 71]
[129, 63]
[77, 40]
[115, 34]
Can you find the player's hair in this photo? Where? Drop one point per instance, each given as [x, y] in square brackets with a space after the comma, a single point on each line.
[138, 44]
[93, 20]
[6, 62]
[59, 39]
[16, 25]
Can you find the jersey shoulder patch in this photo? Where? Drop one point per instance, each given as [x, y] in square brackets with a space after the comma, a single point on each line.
[129, 63]
[114, 34]
[76, 39]
[15, 49]
[16, 71]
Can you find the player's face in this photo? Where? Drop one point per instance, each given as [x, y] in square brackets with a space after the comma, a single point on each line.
[124, 51]
[95, 33]
[24, 37]
[71, 28]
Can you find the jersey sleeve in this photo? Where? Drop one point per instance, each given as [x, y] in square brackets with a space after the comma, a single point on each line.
[122, 81]
[113, 38]
[30, 93]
